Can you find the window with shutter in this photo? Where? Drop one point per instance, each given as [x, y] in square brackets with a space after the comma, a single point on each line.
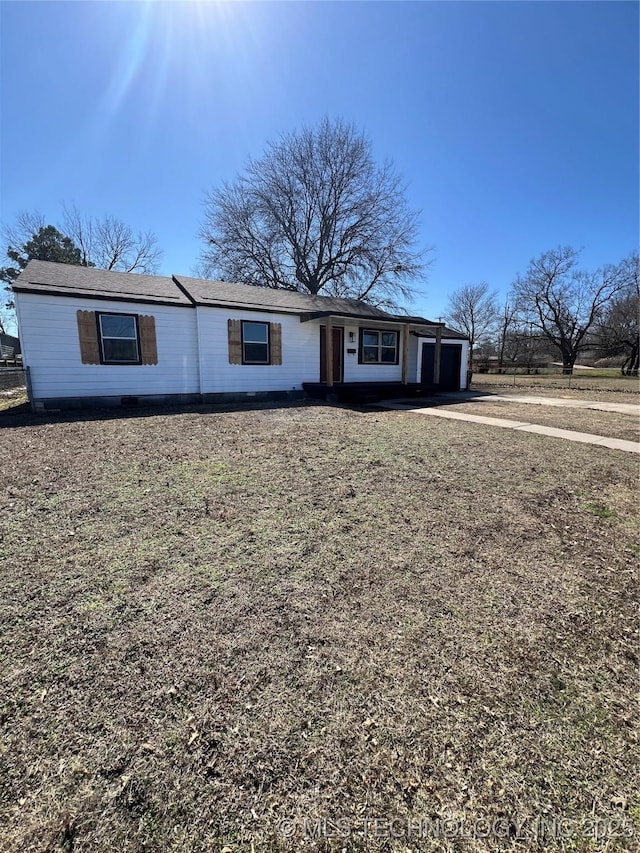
[108, 337]
[254, 342]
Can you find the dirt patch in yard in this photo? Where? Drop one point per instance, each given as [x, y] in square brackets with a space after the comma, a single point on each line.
[611, 424]
[213, 623]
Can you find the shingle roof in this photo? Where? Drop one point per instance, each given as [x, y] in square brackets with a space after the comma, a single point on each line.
[206, 292]
[65, 279]
[421, 331]
[68, 280]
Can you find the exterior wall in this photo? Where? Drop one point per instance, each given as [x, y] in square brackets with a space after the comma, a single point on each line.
[463, 361]
[51, 348]
[193, 353]
[300, 354]
[412, 361]
[354, 372]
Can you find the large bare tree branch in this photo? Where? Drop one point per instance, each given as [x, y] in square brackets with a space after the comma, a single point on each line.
[316, 214]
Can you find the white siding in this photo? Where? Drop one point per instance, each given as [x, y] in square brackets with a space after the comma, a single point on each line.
[193, 352]
[464, 366]
[354, 372]
[412, 361]
[49, 335]
[300, 353]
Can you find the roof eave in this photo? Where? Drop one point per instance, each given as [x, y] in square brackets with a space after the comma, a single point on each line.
[418, 321]
[348, 315]
[453, 335]
[139, 299]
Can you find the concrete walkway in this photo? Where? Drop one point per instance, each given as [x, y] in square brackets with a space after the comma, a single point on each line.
[562, 402]
[522, 426]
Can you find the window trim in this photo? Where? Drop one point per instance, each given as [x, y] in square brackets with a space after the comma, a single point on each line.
[268, 342]
[109, 362]
[378, 332]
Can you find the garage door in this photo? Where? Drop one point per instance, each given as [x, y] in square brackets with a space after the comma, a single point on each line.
[450, 361]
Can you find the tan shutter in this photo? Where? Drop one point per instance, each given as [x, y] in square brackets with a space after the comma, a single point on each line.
[88, 335]
[275, 339]
[235, 341]
[148, 345]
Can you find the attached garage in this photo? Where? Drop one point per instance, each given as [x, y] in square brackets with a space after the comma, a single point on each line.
[453, 360]
[450, 362]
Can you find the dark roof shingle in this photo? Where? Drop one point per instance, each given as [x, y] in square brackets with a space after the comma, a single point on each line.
[65, 279]
[448, 333]
[206, 292]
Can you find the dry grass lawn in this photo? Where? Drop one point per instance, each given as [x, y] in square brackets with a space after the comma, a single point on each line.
[611, 424]
[583, 384]
[213, 621]
[14, 400]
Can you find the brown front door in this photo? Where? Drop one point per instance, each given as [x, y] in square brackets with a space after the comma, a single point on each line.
[337, 354]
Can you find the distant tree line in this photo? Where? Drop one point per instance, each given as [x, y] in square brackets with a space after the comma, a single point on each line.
[317, 214]
[555, 309]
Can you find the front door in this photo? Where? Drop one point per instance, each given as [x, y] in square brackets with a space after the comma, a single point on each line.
[337, 354]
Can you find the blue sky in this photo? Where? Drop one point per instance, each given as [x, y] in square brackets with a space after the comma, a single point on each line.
[514, 124]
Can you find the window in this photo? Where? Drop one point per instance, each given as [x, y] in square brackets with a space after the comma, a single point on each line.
[119, 340]
[252, 342]
[255, 342]
[378, 347]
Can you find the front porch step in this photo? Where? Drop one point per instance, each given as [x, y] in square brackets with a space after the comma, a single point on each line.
[366, 392]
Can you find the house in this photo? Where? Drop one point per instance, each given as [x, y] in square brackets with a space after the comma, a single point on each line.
[94, 337]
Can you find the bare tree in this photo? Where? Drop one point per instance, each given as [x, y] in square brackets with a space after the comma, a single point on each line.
[22, 229]
[316, 214]
[563, 302]
[507, 324]
[618, 333]
[106, 243]
[110, 244]
[473, 310]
